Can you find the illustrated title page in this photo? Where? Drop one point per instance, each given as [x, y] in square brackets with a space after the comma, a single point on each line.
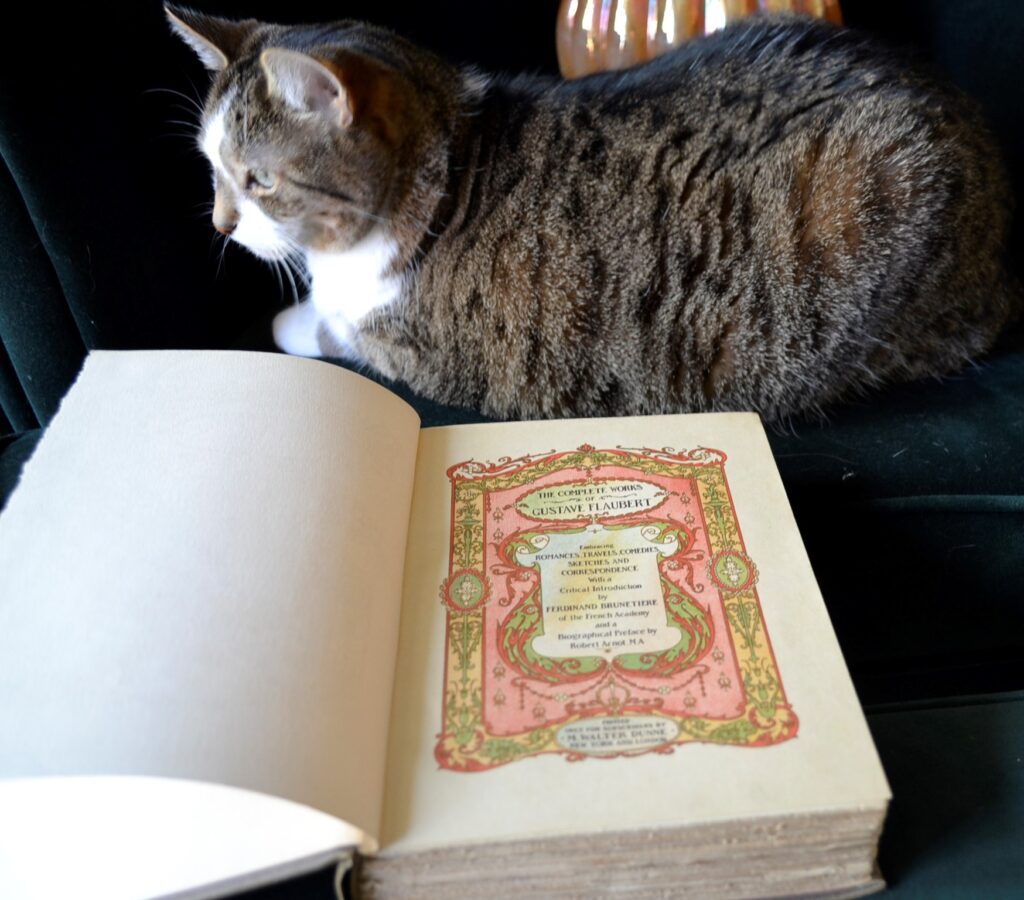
[612, 624]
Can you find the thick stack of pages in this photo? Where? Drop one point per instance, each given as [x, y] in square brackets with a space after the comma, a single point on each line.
[816, 855]
[558, 659]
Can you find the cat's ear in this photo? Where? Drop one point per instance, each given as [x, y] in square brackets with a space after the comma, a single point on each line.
[216, 41]
[307, 85]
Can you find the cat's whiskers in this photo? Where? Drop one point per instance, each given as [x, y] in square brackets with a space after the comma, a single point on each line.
[274, 267]
[190, 135]
[214, 241]
[291, 281]
[194, 110]
[287, 263]
[297, 266]
[193, 150]
[383, 221]
[294, 253]
[369, 215]
[189, 132]
[194, 105]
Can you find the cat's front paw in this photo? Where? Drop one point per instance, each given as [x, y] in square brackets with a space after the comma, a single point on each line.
[295, 330]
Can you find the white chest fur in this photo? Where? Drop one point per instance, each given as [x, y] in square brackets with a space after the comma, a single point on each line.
[351, 284]
[345, 288]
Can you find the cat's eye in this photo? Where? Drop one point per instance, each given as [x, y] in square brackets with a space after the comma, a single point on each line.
[260, 178]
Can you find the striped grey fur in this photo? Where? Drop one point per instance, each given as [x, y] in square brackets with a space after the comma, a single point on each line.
[774, 217]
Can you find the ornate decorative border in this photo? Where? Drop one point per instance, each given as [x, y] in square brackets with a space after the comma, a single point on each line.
[466, 743]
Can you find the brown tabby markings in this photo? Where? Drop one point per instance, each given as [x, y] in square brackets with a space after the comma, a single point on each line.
[774, 217]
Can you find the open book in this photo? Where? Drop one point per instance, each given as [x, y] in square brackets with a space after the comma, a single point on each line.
[277, 624]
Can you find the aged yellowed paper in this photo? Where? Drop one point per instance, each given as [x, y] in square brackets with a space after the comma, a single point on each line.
[612, 625]
[200, 574]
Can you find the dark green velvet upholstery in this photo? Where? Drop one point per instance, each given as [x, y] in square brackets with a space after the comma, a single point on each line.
[41, 348]
[911, 500]
[912, 508]
[957, 777]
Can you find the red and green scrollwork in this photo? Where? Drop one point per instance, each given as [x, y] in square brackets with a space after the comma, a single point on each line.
[710, 675]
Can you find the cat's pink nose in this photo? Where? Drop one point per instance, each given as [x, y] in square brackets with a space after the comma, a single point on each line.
[225, 229]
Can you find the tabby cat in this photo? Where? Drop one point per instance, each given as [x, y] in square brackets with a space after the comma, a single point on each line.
[773, 217]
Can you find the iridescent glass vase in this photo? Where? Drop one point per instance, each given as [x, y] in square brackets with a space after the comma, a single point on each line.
[595, 35]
